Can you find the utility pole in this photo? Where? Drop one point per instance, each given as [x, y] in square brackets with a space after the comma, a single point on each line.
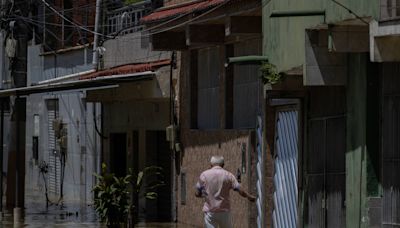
[20, 32]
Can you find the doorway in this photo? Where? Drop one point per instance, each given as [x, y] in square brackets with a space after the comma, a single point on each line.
[118, 154]
[158, 154]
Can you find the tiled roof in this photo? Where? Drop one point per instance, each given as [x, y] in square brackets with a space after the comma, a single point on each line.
[127, 69]
[180, 9]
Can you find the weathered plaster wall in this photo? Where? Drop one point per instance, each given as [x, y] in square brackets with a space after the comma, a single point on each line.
[284, 38]
[83, 142]
[131, 48]
[82, 153]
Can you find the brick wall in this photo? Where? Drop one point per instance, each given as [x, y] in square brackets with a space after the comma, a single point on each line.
[81, 12]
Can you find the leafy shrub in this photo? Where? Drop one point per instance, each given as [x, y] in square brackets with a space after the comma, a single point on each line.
[270, 74]
[112, 195]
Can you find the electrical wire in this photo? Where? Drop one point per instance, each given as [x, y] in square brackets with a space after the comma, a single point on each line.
[148, 29]
[72, 22]
[350, 11]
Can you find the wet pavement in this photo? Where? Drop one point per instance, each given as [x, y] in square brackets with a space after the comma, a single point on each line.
[55, 217]
[38, 216]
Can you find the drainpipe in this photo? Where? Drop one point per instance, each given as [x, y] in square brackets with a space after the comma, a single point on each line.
[96, 35]
[1, 155]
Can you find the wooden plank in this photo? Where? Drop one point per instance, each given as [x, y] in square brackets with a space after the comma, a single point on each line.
[169, 41]
[204, 34]
[237, 25]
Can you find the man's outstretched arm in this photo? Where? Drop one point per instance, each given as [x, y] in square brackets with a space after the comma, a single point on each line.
[244, 194]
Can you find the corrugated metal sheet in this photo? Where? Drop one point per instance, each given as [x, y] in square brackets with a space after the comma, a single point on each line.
[285, 178]
[54, 162]
[260, 177]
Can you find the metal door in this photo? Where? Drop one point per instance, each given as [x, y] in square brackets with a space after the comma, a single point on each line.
[391, 145]
[54, 161]
[285, 177]
[323, 160]
[325, 174]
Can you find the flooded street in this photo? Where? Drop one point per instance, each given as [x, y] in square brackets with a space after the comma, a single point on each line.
[38, 217]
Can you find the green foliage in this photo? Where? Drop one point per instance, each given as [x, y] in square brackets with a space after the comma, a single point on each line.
[270, 74]
[112, 195]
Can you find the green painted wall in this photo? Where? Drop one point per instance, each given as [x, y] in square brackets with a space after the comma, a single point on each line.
[284, 38]
[284, 45]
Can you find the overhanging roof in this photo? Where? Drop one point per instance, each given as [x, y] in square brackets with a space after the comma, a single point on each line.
[180, 9]
[102, 82]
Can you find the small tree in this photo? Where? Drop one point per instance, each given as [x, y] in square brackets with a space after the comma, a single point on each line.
[112, 196]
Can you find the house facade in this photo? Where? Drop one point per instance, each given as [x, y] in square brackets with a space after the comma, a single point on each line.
[300, 97]
[346, 115]
[220, 96]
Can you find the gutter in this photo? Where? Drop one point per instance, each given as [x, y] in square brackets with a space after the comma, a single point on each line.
[298, 13]
[249, 58]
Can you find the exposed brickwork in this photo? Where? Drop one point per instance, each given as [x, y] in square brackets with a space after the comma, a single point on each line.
[81, 12]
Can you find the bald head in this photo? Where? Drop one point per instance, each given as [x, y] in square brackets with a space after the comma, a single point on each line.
[217, 161]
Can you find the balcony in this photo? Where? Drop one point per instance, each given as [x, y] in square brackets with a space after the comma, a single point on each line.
[390, 10]
[126, 19]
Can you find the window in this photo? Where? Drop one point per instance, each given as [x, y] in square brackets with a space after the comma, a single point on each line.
[246, 84]
[208, 68]
[390, 9]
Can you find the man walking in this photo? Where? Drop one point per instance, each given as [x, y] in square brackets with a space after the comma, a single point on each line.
[214, 185]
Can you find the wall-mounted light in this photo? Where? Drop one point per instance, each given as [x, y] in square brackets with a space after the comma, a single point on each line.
[36, 125]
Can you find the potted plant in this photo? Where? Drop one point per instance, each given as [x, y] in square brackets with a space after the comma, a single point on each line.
[269, 74]
[112, 195]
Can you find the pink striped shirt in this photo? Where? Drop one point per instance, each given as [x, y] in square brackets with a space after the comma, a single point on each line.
[215, 184]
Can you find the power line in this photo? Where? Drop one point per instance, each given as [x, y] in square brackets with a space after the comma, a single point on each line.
[72, 22]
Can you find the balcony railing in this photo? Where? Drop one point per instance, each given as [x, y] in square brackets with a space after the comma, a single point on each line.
[126, 20]
[390, 9]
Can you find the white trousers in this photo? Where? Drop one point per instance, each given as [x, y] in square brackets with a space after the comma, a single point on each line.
[218, 220]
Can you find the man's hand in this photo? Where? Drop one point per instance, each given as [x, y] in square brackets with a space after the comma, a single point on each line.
[251, 198]
[244, 194]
